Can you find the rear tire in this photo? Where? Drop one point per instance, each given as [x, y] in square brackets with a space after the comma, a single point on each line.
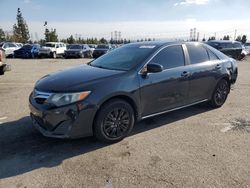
[114, 121]
[220, 94]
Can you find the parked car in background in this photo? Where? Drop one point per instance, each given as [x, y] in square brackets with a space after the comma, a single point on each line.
[232, 49]
[247, 47]
[68, 46]
[101, 49]
[27, 51]
[9, 48]
[3, 66]
[78, 50]
[134, 82]
[92, 48]
[52, 49]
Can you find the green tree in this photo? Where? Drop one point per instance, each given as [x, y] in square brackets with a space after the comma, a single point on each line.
[20, 29]
[244, 39]
[51, 35]
[71, 40]
[226, 37]
[103, 41]
[238, 38]
[2, 35]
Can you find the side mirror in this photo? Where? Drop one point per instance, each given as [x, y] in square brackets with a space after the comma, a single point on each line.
[154, 68]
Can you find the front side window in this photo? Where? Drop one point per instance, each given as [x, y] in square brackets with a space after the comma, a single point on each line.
[170, 57]
[197, 54]
[11, 45]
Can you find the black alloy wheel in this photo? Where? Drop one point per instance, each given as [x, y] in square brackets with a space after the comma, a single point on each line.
[114, 121]
[220, 94]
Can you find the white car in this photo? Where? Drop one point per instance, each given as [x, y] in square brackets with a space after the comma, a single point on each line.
[9, 48]
[247, 47]
[52, 49]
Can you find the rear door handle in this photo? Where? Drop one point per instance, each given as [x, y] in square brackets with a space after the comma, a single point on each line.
[185, 74]
[218, 66]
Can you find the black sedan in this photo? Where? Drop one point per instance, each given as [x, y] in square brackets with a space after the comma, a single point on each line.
[101, 50]
[136, 81]
[27, 51]
[231, 48]
[78, 50]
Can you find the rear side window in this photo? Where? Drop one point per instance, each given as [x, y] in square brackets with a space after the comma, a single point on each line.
[170, 57]
[197, 54]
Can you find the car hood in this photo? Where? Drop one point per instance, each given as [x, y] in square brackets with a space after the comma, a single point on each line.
[101, 49]
[23, 50]
[62, 81]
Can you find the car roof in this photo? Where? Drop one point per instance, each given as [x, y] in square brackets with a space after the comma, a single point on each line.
[158, 44]
[223, 41]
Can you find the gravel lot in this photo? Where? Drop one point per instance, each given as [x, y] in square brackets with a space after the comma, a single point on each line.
[193, 147]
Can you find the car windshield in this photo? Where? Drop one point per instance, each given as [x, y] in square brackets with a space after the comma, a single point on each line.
[102, 46]
[49, 45]
[75, 47]
[247, 44]
[124, 58]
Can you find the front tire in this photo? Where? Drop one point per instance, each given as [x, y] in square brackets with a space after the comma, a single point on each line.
[220, 94]
[53, 55]
[114, 121]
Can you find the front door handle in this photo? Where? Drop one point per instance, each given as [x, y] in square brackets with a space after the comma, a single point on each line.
[185, 74]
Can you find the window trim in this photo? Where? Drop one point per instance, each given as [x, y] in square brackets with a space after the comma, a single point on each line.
[158, 51]
[210, 51]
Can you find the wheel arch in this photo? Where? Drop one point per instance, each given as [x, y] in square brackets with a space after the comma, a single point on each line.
[124, 97]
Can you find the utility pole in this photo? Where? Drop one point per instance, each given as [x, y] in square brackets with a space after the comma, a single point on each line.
[198, 36]
[235, 33]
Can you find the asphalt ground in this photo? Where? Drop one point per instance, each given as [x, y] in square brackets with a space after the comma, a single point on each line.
[193, 147]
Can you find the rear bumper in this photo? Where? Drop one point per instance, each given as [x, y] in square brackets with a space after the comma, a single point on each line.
[70, 121]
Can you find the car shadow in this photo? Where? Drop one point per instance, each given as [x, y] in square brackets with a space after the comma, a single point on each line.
[24, 149]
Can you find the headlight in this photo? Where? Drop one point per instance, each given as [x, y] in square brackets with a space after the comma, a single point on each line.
[61, 99]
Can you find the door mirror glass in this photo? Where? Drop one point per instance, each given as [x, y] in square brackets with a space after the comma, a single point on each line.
[154, 68]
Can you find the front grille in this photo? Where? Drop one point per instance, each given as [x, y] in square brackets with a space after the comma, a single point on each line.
[41, 97]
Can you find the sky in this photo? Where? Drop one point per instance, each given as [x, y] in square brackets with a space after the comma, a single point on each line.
[135, 19]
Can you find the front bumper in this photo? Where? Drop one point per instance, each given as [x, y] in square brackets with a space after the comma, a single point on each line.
[72, 121]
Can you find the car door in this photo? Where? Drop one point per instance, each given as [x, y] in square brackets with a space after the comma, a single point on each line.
[204, 68]
[7, 49]
[167, 89]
